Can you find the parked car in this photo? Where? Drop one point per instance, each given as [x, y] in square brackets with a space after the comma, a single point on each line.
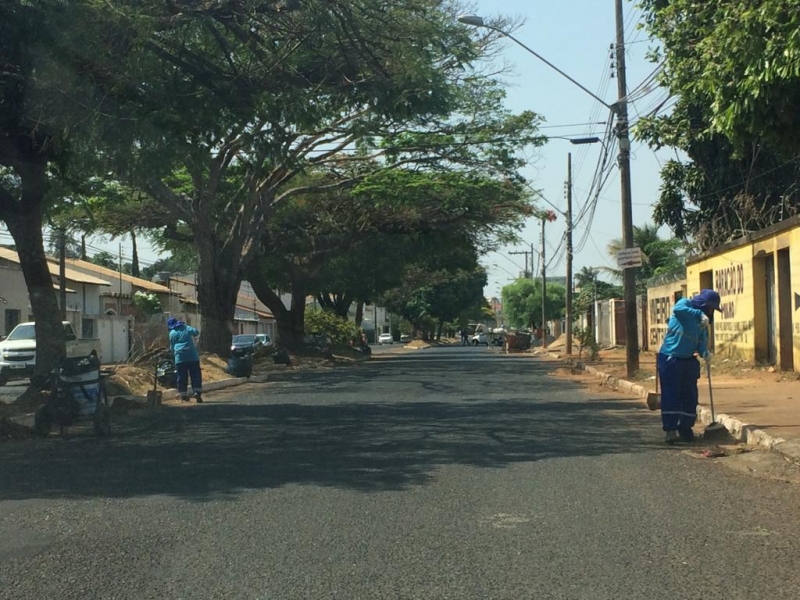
[18, 350]
[264, 339]
[385, 338]
[479, 338]
[242, 344]
[405, 338]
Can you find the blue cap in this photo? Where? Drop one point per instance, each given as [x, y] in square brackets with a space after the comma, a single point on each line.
[708, 301]
[172, 322]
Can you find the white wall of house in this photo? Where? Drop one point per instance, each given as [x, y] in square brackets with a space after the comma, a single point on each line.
[14, 306]
[83, 298]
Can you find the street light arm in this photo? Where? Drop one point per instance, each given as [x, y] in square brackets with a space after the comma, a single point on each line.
[476, 21]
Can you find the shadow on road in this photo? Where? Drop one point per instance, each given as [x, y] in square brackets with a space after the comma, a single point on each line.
[372, 445]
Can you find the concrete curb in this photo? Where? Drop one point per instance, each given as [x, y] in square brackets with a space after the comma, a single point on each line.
[739, 430]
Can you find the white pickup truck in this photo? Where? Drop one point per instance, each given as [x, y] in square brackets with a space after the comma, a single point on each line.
[18, 350]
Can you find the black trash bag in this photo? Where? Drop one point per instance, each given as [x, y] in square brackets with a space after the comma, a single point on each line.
[240, 365]
[281, 357]
[165, 371]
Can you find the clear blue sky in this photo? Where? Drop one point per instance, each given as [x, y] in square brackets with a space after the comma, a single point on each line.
[575, 35]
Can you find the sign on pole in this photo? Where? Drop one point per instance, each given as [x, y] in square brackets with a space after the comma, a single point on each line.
[628, 258]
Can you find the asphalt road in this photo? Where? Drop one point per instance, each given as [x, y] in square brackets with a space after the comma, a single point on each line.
[436, 474]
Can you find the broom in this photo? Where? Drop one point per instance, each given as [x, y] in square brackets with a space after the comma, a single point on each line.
[713, 430]
[653, 400]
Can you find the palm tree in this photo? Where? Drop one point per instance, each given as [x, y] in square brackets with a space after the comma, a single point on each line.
[585, 277]
[657, 255]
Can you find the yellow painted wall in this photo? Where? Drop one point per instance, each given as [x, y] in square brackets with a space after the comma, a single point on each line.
[660, 300]
[731, 276]
[738, 275]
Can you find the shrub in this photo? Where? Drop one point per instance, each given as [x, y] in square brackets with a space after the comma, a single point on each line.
[324, 322]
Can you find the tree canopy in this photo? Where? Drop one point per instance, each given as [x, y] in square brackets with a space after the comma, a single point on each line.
[522, 302]
[734, 71]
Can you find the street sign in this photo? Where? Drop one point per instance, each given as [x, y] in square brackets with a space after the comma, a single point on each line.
[629, 258]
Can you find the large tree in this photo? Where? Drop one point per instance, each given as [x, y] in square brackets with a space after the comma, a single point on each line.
[352, 245]
[732, 67]
[522, 302]
[275, 91]
[48, 113]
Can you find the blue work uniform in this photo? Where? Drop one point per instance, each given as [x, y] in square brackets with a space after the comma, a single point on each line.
[678, 369]
[187, 359]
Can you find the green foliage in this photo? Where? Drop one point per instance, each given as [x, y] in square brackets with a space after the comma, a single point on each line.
[658, 256]
[733, 67]
[741, 58]
[439, 282]
[146, 303]
[178, 262]
[105, 259]
[584, 336]
[324, 322]
[522, 302]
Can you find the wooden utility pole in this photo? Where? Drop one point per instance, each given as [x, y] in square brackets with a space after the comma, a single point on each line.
[629, 274]
[568, 316]
[544, 288]
[62, 271]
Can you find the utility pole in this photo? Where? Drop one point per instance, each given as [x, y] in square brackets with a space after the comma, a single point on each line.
[526, 253]
[629, 274]
[62, 271]
[119, 296]
[544, 288]
[569, 257]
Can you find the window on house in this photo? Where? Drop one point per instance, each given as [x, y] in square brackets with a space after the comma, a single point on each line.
[13, 318]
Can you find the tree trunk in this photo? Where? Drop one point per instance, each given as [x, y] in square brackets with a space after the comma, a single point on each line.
[359, 313]
[135, 258]
[291, 328]
[83, 247]
[26, 229]
[219, 278]
[291, 321]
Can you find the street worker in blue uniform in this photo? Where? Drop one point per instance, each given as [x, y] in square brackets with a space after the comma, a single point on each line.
[187, 359]
[678, 367]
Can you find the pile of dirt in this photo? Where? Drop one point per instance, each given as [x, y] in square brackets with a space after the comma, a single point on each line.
[564, 371]
[133, 380]
[213, 367]
[418, 344]
[10, 431]
[129, 380]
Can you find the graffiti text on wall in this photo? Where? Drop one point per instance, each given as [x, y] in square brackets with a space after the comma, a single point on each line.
[729, 282]
[660, 310]
[732, 332]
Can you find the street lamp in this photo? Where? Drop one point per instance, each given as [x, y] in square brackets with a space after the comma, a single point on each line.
[620, 110]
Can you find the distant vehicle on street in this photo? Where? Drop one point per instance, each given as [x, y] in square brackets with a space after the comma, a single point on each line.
[242, 344]
[405, 338]
[385, 338]
[479, 338]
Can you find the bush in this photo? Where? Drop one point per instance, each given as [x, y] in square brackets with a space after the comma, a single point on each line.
[146, 304]
[325, 323]
[585, 338]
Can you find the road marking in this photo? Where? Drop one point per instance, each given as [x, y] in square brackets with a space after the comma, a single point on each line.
[505, 520]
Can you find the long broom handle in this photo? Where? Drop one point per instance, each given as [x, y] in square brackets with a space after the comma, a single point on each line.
[710, 394]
